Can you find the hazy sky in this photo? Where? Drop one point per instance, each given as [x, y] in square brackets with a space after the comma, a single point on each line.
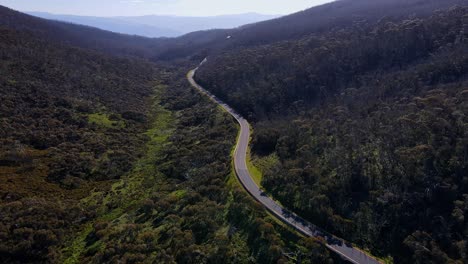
[170, 7]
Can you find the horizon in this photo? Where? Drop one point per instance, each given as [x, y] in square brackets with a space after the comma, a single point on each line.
[162, 15]
[180, 8]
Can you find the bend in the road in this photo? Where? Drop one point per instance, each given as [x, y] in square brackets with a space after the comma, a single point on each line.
[335, 244]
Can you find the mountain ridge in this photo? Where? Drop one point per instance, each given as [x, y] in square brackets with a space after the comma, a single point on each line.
[111, 24]
[159, 25]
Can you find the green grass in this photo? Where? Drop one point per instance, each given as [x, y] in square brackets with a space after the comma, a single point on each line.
[144, 175]
[103, 120]
[78, 246]
[386, 260]
[233, 181]
[256, 174]
[264, 163]
[179, 193]
[133, 188]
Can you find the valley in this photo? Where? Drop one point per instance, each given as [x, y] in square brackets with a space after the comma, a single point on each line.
[348, 118]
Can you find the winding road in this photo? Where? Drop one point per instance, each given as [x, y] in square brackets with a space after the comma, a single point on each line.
[335, 244]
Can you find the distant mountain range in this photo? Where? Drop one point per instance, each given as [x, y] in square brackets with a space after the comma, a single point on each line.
[159, 26]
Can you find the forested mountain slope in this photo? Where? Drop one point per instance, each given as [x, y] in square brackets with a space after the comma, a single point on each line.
[337, 15]
[363, 129]
[320, 66]
[80, 36]
[70, 120]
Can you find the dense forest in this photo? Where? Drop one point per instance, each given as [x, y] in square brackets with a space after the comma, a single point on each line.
[70, 121]
[364, 130]
[359, 112]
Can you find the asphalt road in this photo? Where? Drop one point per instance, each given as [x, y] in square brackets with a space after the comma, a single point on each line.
[335, 244]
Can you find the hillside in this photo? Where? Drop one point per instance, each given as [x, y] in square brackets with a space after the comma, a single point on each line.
[362, 129]
[70, 121]
[337, 15]
[79, 36]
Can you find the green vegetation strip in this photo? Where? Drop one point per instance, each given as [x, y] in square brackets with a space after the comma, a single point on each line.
[104, 120]
[128, 191]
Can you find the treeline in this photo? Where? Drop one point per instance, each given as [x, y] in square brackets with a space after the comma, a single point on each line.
[368, 129]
